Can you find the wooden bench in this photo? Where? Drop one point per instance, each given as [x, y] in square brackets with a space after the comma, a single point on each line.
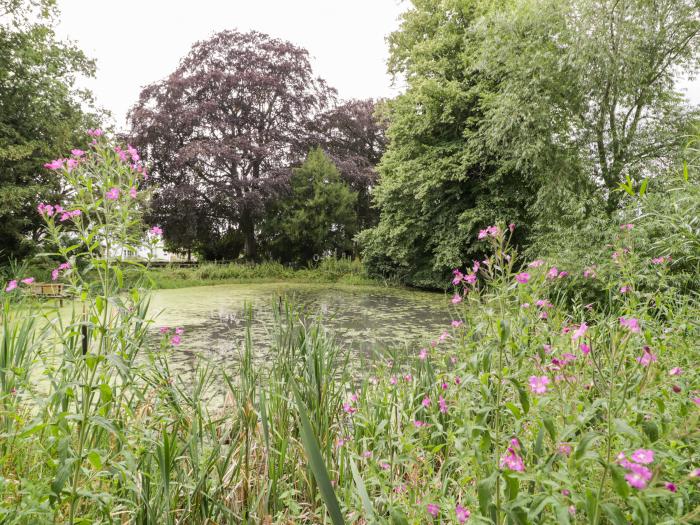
[49, 291]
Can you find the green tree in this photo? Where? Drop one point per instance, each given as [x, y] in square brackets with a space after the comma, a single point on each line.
[317, 218]
[437, 184]
[587, 88]
[40, 116]
[531, 111]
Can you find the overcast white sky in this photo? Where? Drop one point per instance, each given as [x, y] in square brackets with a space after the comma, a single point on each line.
[137, 42]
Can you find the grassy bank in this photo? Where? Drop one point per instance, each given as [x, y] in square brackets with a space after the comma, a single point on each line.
[339, 271]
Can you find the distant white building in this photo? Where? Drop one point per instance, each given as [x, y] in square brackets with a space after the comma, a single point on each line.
[154, 251]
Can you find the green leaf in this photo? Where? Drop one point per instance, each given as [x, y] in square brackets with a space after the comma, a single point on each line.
[366, 503]
[623, 427]
[95, 460]
[651, 430]
[614, 513]
[398, 517]
[514, 409]
[583, 445]
[643, 188]
[549, 425]
[619, 482]
[484, 491]
[318, 467]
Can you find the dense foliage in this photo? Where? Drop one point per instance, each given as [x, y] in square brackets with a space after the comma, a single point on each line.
[525, 410]
[319, 216]
[40, 115]
[532, 111]
[224, 130]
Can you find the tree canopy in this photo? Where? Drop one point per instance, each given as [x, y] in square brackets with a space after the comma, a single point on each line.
[318, 216]
[531, 111]
[229, 122]
[41, 115]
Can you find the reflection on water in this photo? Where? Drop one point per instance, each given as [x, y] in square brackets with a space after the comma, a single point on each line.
[364, 319]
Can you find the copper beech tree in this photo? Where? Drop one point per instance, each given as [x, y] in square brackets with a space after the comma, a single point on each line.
[227, 125]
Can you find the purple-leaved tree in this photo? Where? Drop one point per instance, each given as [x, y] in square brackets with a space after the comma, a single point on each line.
[353, 135]
[228, 124]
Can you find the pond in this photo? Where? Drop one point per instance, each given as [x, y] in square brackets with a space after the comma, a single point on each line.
[365, 319]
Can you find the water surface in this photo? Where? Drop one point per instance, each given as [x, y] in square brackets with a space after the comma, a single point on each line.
[365, 319]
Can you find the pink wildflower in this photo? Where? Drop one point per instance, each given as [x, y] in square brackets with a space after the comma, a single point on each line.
[155, 230]
[77, 152]
[349, 409]
[522, 278]
[11, 285]
[512, 461]
[638, 476]
[564, 449]
[627, 227]
[538, 385]
[625, 289]
[552, 273]
[423, 355]
[525, 306]
[133, 152]
[631, 324]
[563, 274]
[367, 454]
[676, 371]
[179, 331]
[28, 280]
[456, 324]
[589, 273]
[95, 132]
[462, 513]
[56, 164]
[579, 332]
[418, 423]
[670, 486]
[433, 510]
[132, 192]
[175, 340]
[470, 279]
[635, 480]
[695, 473]
[511, 227]
[112, 194]
[458, 380]
[643, 456]
[384, 465]
[164, 329]
[585, 348]
[54, 274]
[443, 405]
[536, 264]
[647, 358]
[456, 299]
[426, 402]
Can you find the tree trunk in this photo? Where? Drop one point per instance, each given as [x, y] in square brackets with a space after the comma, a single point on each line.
[248, 230]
